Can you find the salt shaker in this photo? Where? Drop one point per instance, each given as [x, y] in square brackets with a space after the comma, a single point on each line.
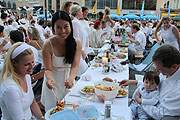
[107, 115]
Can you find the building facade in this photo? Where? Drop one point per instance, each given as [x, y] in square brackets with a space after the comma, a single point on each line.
[155, 7]
[10, 4]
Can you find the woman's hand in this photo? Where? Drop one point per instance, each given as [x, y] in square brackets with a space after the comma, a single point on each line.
[101, 97]
[84, 55]
[69, 83]
[138, 97]
[159, 42]
[50, 84]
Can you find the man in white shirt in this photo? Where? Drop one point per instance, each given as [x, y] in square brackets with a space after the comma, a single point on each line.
[167, 61]
[41, 29]
[138, 42]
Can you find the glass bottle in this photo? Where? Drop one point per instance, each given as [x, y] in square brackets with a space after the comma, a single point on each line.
[123, 38]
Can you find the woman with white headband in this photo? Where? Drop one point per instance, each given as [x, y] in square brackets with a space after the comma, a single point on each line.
[16, 96]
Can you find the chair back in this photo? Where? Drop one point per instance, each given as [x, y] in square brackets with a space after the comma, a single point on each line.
[37, 68]
[148, 59]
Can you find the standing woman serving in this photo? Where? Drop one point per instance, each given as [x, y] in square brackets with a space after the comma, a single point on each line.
[169, 32]
[61, 56]
[16, 96]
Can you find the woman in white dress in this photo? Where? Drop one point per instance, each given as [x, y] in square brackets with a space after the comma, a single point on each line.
[80, 33]
[169, 32]
[109, 23]
[16, 96]
[61, 56]
[84, 21]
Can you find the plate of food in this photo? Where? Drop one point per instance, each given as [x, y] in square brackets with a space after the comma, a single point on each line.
[122, 93]
[60, 107]
[97, 65]
[121, 56]
[123, 45]
[98, 59]
[124, 51]
[108, 79]
[88, 90]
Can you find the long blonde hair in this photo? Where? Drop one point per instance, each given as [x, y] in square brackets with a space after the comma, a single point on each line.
[106, 12]
[35, 35]
[8, 67]
[161, 21]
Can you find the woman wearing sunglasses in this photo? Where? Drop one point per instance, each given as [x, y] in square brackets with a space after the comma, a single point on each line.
[169, 32]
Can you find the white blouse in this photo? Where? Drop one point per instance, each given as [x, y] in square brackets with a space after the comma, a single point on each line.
[169, 89]
[14, 102]
[169, 37]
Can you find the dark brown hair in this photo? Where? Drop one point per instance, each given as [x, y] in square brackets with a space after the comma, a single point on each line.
[152, 75]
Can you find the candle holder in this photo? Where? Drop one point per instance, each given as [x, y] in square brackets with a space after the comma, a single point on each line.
[106, 68]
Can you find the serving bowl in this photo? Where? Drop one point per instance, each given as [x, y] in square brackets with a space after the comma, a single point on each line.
[108, 90]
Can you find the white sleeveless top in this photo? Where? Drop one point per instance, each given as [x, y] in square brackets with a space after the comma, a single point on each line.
[169, 37]
[61, 72]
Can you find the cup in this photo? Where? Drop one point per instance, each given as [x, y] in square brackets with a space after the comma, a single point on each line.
[86, 77]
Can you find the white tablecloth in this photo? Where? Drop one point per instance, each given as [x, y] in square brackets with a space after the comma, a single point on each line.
[119, 105]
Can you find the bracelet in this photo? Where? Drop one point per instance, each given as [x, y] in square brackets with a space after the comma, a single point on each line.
[41, 118]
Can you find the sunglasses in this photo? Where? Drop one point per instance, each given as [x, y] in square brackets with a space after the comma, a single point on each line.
[166, 23]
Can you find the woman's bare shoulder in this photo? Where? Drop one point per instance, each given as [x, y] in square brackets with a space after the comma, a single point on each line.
[78, 42]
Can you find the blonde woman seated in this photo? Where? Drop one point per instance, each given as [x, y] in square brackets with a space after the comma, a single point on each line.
[96, 39]
[16, 96]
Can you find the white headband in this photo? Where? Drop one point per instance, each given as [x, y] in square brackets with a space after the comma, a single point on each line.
[19, 50]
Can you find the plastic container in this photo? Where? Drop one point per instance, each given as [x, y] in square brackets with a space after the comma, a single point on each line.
[87, 112]
[65, 115]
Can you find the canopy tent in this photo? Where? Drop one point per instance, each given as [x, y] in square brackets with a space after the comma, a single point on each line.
[114, 16]
[42, 15]
[130, 16]
[176, 18]
[150, 16]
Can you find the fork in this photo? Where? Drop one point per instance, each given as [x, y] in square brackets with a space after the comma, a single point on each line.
[55, 94]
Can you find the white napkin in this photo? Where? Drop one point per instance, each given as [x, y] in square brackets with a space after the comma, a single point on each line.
[116, 66]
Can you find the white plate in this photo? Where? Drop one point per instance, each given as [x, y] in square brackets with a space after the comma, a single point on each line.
[120, 96]
[85, 92]
[47, 114]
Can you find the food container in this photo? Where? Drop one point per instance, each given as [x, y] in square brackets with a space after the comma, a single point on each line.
[65, 115]
[87, 112]
[107, 89]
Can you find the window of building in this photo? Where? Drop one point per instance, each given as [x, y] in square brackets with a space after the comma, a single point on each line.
[57, 5]
[9, 4]
[137, 4]
[101, 4]
[19, 0]
[14, 5]
[49, 4]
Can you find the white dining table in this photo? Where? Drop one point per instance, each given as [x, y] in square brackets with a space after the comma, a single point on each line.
[119, 107]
